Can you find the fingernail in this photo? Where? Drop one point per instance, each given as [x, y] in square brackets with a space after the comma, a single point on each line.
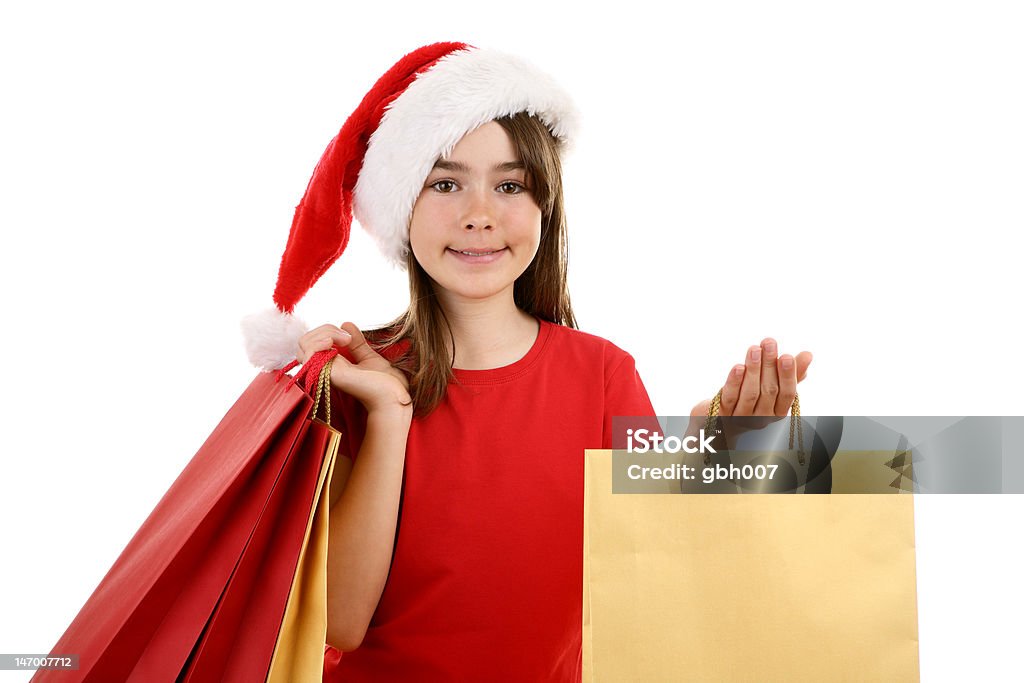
[769, 347]
[787, 363]
[755, 355]
[738, 371]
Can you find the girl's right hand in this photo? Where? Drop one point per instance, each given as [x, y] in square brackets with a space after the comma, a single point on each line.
[372, 380]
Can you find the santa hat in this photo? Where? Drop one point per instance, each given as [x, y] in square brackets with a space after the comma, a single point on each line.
[375, 166]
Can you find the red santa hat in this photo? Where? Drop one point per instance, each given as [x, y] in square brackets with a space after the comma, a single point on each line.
[375, 166]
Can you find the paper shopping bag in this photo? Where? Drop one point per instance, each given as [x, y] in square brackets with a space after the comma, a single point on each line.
[731, 588]
[299, 652]
[249, 615]
[211, 569]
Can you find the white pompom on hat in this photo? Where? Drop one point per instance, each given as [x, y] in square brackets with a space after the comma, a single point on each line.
[375, 166]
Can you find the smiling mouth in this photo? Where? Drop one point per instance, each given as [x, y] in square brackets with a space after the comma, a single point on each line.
[476, 253]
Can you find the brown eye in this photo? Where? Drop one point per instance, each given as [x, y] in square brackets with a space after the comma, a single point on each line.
[443, 186]
[511, 187]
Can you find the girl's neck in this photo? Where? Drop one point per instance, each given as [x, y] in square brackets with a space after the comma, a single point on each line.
[490, 336]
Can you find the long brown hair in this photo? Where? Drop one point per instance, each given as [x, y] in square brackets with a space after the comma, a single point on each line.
[542, 290]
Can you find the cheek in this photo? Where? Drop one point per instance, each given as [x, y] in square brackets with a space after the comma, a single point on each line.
[422, 231]
[522, 219]
[532, 227]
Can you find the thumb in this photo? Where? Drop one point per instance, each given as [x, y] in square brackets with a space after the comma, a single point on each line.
[701, 409]
[803, 360]
[698, 416]
[358, 348]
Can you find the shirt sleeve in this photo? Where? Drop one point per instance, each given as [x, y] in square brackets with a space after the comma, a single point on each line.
[625, 396]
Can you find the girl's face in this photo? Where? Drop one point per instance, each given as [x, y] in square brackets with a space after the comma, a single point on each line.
[475, 227]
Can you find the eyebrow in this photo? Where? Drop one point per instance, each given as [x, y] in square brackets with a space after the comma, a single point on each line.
[446, 165]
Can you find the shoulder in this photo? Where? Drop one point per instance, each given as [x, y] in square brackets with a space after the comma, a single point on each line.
[588, 347]
[604, 370]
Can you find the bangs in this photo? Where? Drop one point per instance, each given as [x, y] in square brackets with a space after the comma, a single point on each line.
[539, 151]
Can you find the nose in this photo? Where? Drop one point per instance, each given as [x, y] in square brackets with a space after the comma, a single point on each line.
[479, 212]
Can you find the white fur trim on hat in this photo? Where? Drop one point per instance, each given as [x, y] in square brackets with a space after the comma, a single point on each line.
[463, 91]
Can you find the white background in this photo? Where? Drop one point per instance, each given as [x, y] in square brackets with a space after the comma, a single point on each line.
[845, 177]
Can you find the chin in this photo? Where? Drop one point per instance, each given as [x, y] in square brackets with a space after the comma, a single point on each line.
[464, 288]
[475, 294]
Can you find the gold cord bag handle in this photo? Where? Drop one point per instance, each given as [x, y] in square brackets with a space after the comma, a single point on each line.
[323, 388]
[796, 425]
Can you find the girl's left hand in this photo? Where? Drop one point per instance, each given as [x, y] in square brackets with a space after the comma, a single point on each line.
[764, 385]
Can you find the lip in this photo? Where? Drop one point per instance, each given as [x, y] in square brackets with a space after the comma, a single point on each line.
[478, 256]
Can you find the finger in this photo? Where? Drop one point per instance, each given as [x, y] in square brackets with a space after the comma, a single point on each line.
[337, 335]
[321, 339]
[310, 345]
[769, 378]
[751, 387]
[334, 334]
[803, 359]
[787, 385]
[731, 390]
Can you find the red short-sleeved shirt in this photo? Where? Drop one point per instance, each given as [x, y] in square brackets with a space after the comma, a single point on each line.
[486, 581]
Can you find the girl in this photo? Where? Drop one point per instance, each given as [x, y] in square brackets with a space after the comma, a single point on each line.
[456, 525]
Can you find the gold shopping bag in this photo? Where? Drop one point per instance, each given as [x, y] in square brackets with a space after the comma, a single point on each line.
[724, 588]
[299, 652]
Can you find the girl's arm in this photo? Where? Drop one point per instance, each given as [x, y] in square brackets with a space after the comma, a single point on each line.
[363, 519]
[364, 496]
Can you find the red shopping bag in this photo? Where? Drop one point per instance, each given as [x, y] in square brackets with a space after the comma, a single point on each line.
[199, 592]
